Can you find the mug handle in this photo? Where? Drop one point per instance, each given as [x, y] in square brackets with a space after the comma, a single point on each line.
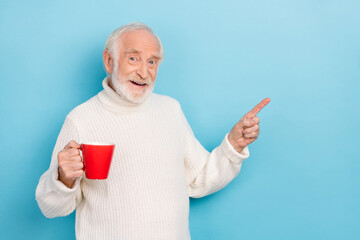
[81, 154]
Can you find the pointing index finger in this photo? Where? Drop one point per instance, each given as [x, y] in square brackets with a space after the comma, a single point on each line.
[252, 113]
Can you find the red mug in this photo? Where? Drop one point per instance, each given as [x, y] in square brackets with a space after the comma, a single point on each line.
[97, 159]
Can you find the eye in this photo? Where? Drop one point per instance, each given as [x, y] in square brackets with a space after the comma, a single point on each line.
[133, 60]
[152, 62]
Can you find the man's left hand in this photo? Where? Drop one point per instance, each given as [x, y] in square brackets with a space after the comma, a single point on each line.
[247, 129]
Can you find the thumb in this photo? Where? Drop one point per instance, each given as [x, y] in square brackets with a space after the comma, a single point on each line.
[72, 144]
[241, 123]
[237, 130]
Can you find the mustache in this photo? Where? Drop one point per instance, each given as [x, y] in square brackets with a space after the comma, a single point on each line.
[140, 80]
[136, 78]
[131, 77]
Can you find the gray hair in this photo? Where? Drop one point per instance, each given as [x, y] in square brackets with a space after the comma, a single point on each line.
[112, 43]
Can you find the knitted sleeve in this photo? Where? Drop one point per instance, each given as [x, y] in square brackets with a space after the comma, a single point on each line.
[53, 197]
[209, 172]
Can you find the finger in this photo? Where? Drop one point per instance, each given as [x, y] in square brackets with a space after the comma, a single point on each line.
[74, 159]
[247, 123]
[252, 113]
[77, 174]
[66, 159]
[256, 120]
[251, 129]
[73, 152]
[240, 123]
[73, 174]
[78, 166]
[66, 154]
[251, 135]
[68, 167]
[254, 135]
[72, 144]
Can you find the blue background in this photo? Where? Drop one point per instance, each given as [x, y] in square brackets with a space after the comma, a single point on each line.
[221, 58]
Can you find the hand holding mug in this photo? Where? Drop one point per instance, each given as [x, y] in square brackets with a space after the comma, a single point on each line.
[70, 164]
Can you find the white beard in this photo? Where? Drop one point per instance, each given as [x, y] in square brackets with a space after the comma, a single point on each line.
[121, 87]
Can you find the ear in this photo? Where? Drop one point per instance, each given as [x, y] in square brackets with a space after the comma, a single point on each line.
[108, 61]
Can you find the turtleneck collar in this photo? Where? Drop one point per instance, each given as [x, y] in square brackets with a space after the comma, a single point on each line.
[112, 99]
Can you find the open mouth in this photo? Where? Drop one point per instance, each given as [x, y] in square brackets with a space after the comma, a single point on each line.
[138, 84]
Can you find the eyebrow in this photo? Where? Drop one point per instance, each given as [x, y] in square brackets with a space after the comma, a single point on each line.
[132, 50]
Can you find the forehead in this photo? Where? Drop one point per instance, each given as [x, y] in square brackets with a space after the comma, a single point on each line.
[140, 39]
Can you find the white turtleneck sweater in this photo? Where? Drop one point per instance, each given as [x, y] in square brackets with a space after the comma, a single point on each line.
[157, 165]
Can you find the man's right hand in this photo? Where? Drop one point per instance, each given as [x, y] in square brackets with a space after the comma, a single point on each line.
[70, 164]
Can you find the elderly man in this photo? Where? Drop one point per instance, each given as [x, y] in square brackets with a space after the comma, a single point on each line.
[157, 164]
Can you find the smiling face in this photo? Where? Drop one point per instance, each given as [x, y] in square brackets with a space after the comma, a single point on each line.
[134, 70]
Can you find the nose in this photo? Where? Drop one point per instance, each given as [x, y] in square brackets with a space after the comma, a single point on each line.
[142, 70]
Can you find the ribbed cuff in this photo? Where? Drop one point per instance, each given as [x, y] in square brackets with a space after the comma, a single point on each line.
[231, 153]
[60, 187]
